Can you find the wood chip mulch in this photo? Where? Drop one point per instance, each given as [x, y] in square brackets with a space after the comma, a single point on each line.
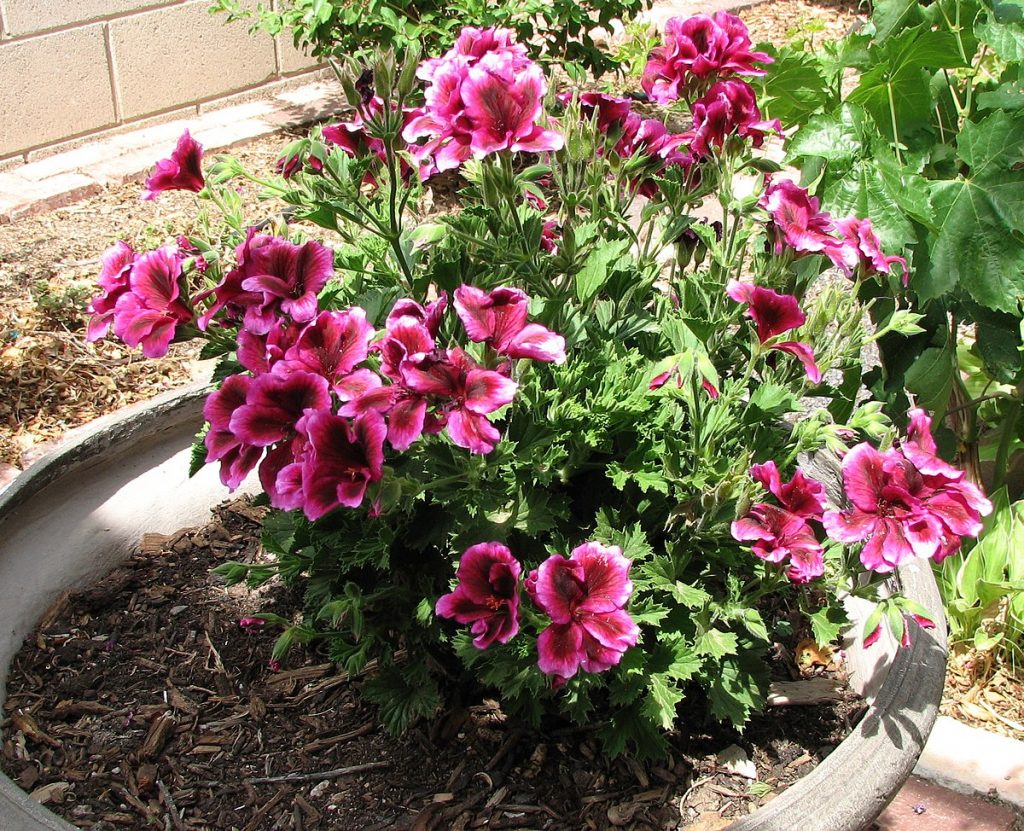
[140, 703]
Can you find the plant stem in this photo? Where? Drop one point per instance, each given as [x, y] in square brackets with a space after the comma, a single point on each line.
[1006, 440]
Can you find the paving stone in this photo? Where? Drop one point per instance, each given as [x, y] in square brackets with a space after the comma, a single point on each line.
[19, 197]
[8, 473]
[925, 806]
[971, 760]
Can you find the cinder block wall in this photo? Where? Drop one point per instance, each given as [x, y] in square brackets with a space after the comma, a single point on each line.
[73, 68]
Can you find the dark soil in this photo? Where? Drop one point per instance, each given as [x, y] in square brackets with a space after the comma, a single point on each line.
[140, 703]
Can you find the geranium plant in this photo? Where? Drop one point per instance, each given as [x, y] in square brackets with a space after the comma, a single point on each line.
[549, 438]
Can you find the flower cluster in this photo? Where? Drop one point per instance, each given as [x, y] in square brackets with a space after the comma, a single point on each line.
[483, 96]
[584, 596]
[904, 503]
[799, 224]
[699, 48]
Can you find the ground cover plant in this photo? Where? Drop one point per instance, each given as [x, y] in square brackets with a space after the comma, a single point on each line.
[554, 442]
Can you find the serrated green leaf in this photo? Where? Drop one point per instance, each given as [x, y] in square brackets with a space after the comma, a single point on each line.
[690, 596]
[931, 378]
[827, 623]
[836, 138]
[1005, 39]
[1008, 96]
[773, 399]
[893, 16]
[795, 88]
[662, 698]
[717, 643]
[597, 268]
[197, 456]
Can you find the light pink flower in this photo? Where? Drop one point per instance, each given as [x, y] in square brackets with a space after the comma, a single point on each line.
[343, 457]
[697, 48]
[149, 313]
[905, 502]
[585, 596]
[182, 171]
[487, 595]
[498, 318]
[728, 108]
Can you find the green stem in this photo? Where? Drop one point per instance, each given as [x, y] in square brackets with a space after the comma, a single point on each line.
[895, 129]
[1006, 440]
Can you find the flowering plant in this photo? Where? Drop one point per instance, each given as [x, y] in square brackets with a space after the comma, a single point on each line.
[549, 439]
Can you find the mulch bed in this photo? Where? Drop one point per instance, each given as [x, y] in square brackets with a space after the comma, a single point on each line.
[140, 703]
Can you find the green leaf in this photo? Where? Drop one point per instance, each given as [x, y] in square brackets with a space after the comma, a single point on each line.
[685, 663]
[597, 268]
[1006, 39]
[737, 688]
[931, 378]
[795, 87]
[197, 457]
[690, 596]
[827, 623]
[834, 138]
[773, 399]
[1008, 96]
[717, 643]
[754, 624]
[893, 16]
[662, 698]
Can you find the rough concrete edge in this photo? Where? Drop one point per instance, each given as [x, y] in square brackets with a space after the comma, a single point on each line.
[945, 759]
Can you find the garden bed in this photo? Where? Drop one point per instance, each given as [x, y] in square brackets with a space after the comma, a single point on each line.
[141, 701]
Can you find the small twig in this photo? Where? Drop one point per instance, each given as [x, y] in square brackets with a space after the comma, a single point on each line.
[320, 776]
[172, 809]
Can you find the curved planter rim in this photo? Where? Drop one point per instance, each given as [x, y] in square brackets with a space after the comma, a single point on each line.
[81, 509]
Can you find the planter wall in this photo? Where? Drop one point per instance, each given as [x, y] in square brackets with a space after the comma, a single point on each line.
[81, 510]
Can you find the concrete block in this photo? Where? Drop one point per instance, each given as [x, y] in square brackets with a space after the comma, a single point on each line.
[53, 87]
[925, 806]
[20, 197]
[27, 16]
[968, 760]
[290, 59]
[183, 53]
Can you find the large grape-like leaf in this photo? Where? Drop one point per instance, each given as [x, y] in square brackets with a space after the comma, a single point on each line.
[835, 138]
[1006, 39]
[890, 16]
[794, 88]
[980, 240]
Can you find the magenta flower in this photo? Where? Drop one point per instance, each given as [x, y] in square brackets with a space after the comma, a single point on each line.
[261, 353]
[798, 221]
[905, 502]
[470, 46]
[779, 535]
[772, 313]
[288, 277]
[430, 316]
[498, 318]
[229, 295]
[333, 345]
[649, 138]
[487, 595]
[407, 340]
[863, 249]
[585, 596]
[611, 112]
[183, 171]
[149, 313]
[251, 624]
[236, 457]
[467, 392]
[343, 457]
[475, 106]
[274, 404]
[115, 268]
[728, 108]
[697, 48]
[801, 495]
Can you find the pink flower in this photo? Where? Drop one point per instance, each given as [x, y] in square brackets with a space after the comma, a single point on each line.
[487, 595]
[261, 353]
[228, 294]
[430, 316]
[498, 317]
[650, 138]
[550, 235]
[468, 394]
[728, 108]
[477, 106]
[342, 459]
[183, 171]
[333, 345]
[288, 277]
[236, 457]
[152, 308]
[801, 495]
[406, 340]
[698, 47]
[864, 249]
[585, 596]
[774, 314]
[471, 45]
[251, 624]
[611, 112]
[115, 268]
[905, 503]
[274, 403]
[779, 535]
[798, 221]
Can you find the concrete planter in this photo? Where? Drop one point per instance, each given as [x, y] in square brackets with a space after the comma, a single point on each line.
[78, 512]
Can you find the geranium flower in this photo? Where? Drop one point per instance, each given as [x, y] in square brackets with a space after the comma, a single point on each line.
[236, 457]
[228, 294]
[288, 277]
[333, 345]
[585, 596]
[467, 392]
[801, 495]
[498, 317]
[429, 316]
[779, 535]
[274, 404]
[799, 222]
[149, 313]
[698, 47]
[902, 511]
[115, 268]
[728, 108]
[182, 171]
[406, 339]
[471, 45]
[487, 595]
[611, 111]
[342, 458]
[650, 138]
[261, 353]
[863, 248]
[775, 314]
